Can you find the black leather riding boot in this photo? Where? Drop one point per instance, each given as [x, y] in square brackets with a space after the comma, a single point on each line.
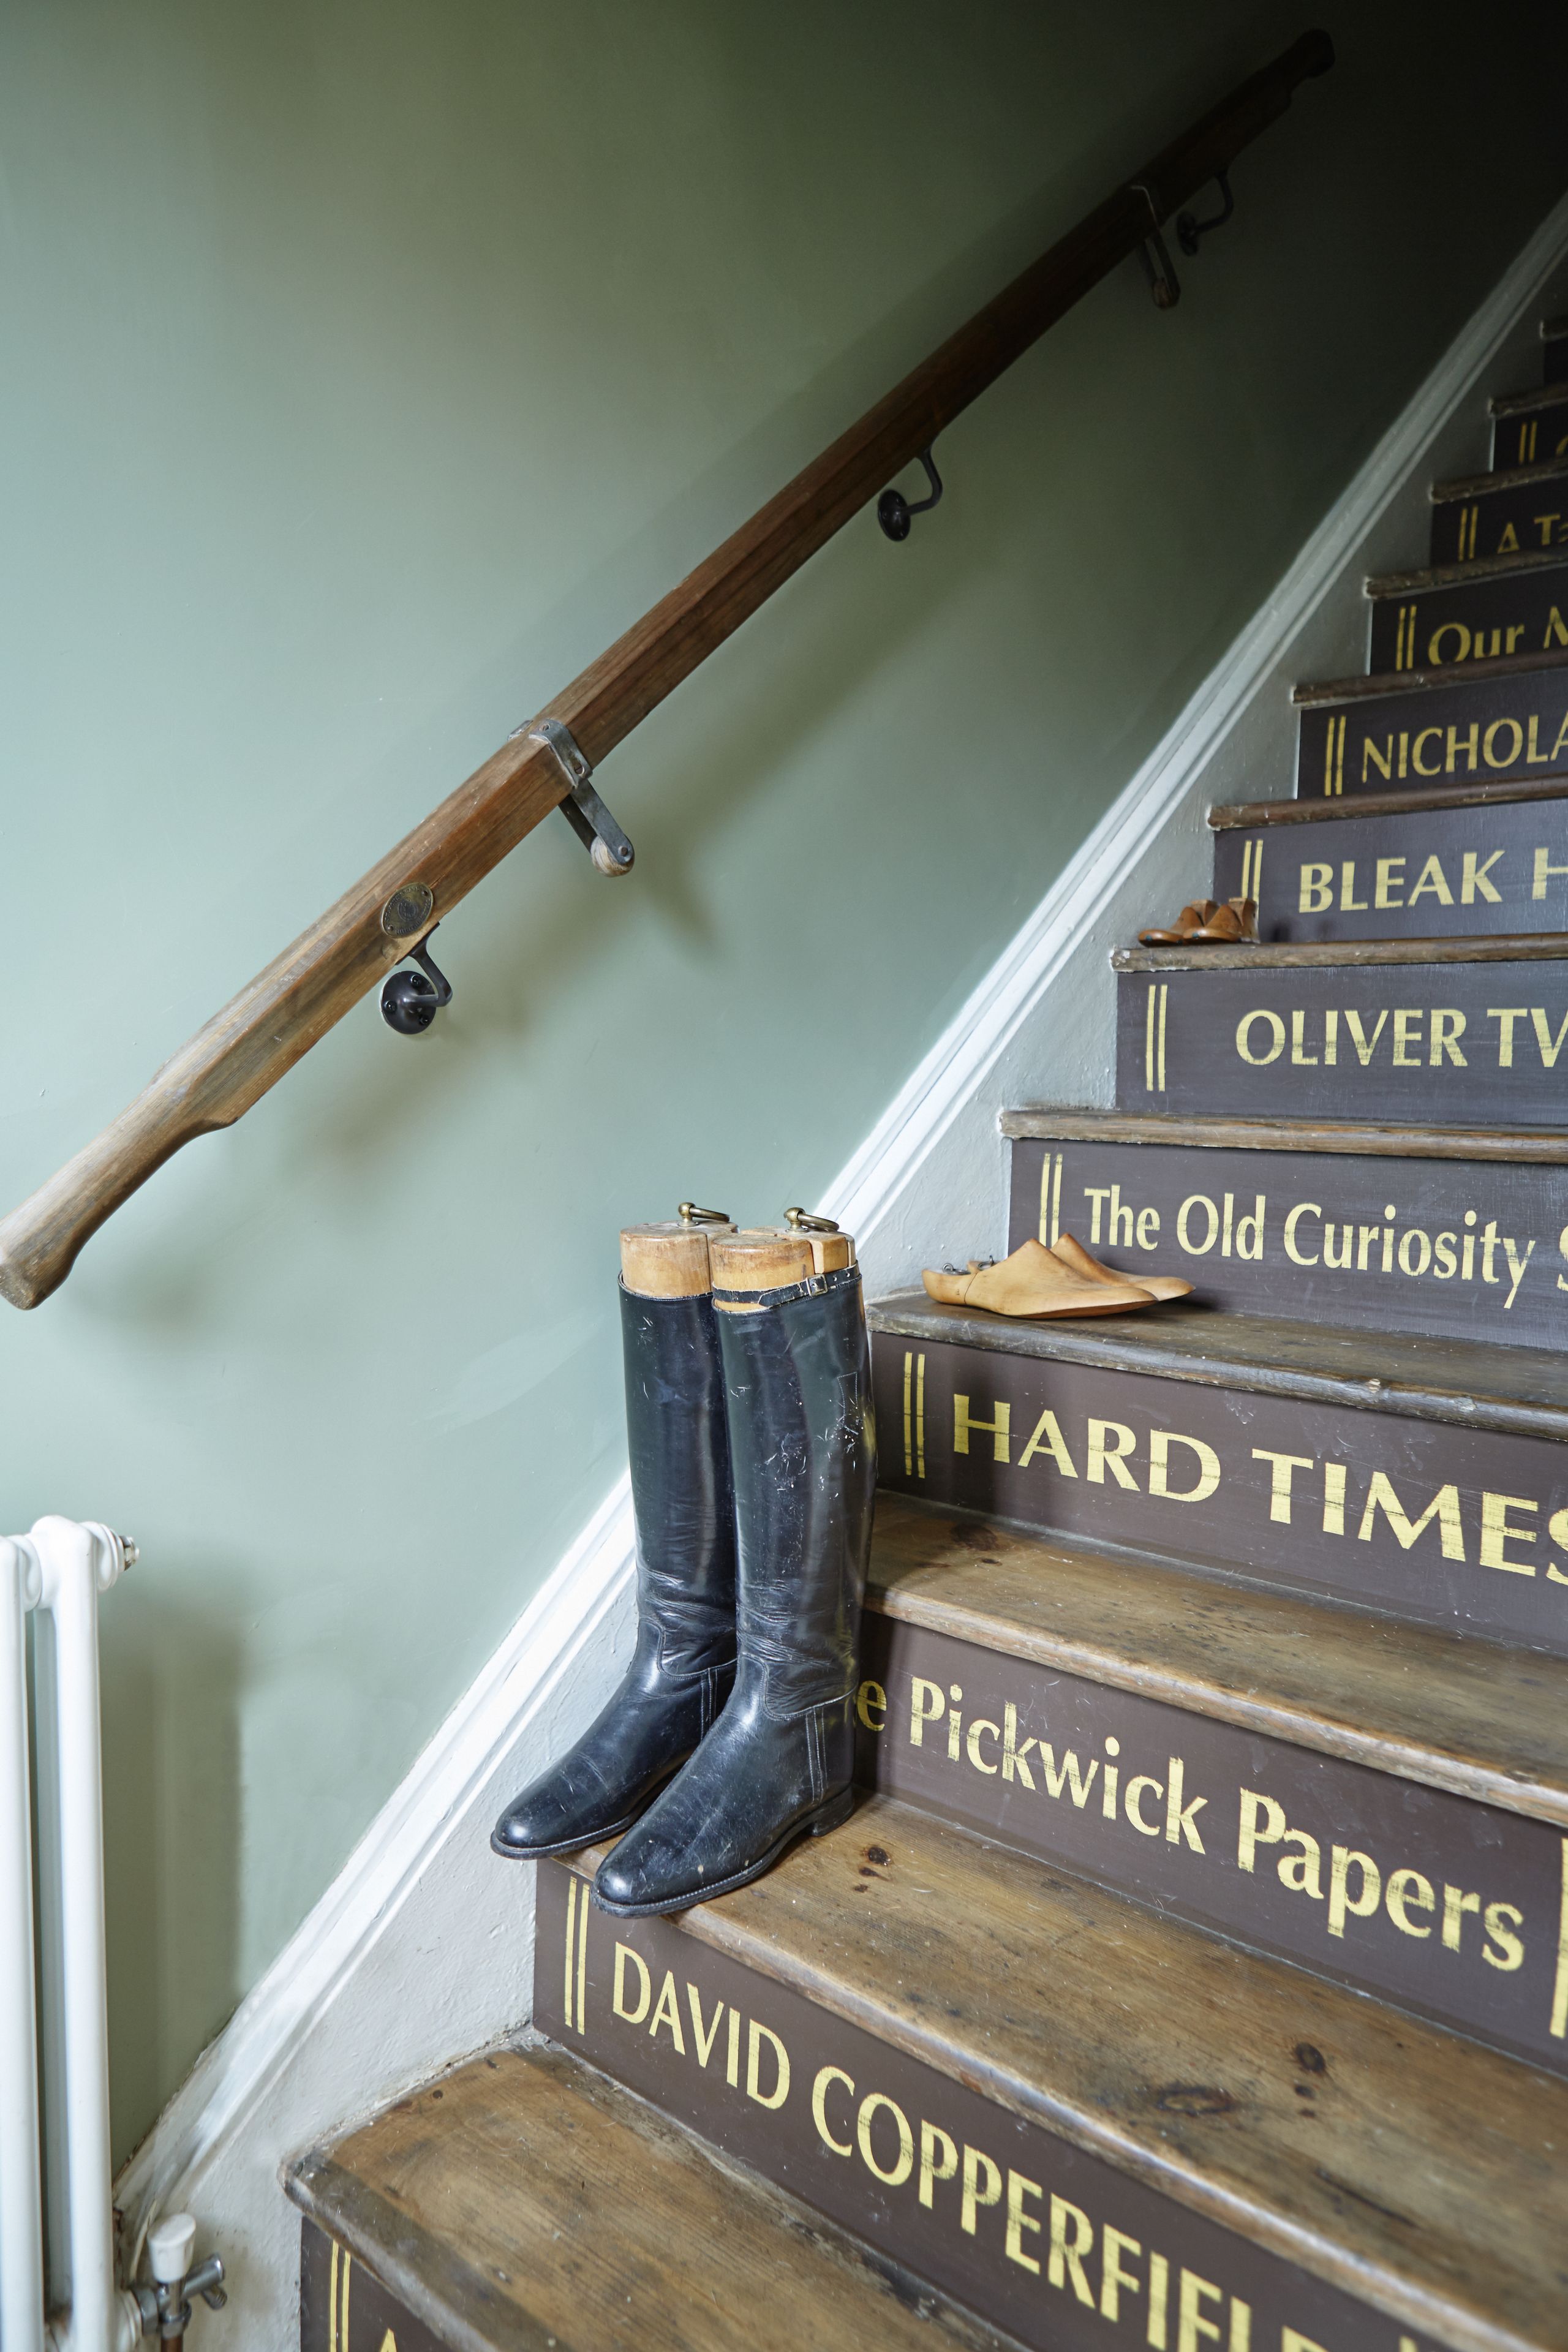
[778, 1763]
[684, 1662]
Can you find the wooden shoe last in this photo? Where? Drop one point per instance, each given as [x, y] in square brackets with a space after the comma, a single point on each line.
[1077, 1259]
[1033, 1281]
[1207, 923]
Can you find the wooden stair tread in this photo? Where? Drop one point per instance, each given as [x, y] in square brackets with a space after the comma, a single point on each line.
[1458, 575]
[1477, 1383]
[1521, 403]
[1423, 2173]
[1366, 687]
[1252, 817]
[526, 2202]
[1538, 1146]
[1474, 1717]
[1507, 477]
[1530, 947]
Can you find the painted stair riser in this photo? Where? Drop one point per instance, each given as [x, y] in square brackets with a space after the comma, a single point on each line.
[1533, 438]
[1509, 729]
[1472, 1249]
[1430, 1521]
[1554, 360]
[1471, 620]
[344, 2307]
[987, 2206]
[1461, 873]
[1439, 1044]
[1520, 521]
[1455, 1909]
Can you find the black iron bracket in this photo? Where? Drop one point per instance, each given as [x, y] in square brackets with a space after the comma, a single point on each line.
[411, 1000]
[896, 513]
[1157, 267]
[585, 811]
[1190, 230]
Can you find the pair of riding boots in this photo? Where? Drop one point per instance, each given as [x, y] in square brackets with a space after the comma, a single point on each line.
[752, 1472]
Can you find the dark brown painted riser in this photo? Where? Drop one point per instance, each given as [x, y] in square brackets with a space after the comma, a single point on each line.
[1492, 614]
[1123, 1814]
[1197, 1460]
[1521, 519]
[1219, 1219]
[1419, 740]
[1183, 1035]
[344, 2307]
[1532, 438]
[724, 2100]
[1453, 873]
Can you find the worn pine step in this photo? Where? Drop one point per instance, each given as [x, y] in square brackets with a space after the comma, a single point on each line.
[1530, 428]
[1086, 2122]
[1383, 1803]
[524, 2202]
[1424, 866]
[1387, 1229]
[1503, 721]
[1462, 612]
[1427, 1479]
[1521, 509]
[1554, 351]
[1443, 1033]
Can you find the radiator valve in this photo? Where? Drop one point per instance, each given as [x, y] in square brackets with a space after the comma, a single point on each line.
[166, 2305]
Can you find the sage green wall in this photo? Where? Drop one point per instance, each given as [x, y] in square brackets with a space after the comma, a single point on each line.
[367, 365]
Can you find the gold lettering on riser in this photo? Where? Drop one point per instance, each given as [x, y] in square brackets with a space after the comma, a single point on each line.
[1367, 1907]
[1261, 1034]
[1312, 1234]
[1181, 1469]
[998, 1428]
[1041, 2218]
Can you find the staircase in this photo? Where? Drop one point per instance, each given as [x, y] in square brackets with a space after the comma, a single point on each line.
[1194, 1971]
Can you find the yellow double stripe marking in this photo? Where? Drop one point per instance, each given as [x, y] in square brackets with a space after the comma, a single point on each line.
[914, 1414]
[1154, 1039]
[1051, 1199]
[338, 2298]
[575, 2001]
[1334, 758]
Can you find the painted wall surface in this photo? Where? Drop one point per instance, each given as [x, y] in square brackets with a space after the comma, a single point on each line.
[328, 2033]
[366, 368]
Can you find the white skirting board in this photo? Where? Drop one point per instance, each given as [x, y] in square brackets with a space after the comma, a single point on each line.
[420, 1951]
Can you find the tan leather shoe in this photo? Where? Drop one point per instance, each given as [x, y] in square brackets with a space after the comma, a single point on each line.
[1077, 1260]
[1190, 919]
[1034, 1283]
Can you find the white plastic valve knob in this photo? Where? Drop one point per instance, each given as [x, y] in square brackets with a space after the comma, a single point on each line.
[169, 2244]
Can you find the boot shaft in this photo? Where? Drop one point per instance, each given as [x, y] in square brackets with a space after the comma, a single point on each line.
[682, 1498]
[803, 1455]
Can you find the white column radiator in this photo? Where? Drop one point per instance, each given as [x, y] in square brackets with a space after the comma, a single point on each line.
[55, 1573]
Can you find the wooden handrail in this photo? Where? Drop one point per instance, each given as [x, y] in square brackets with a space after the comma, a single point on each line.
[246, 1048]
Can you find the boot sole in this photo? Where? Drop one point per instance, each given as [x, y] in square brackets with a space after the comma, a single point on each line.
[829, 1816]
